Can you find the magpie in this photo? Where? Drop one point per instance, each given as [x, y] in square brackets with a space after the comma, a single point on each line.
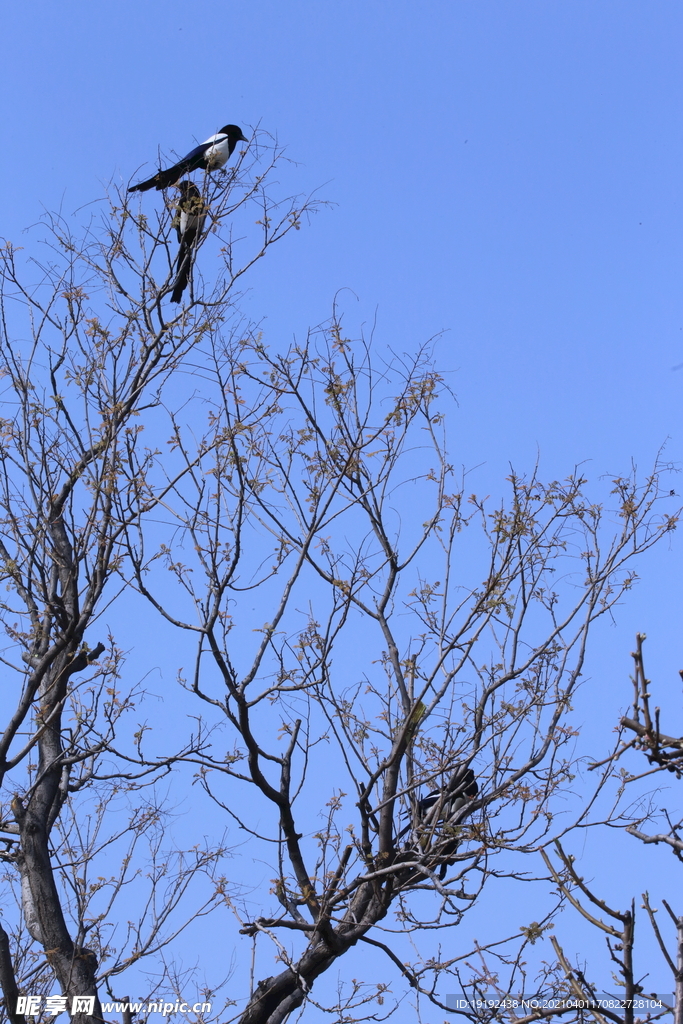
[460, 789]
[211, 155]
[189, 224]
[442, 805]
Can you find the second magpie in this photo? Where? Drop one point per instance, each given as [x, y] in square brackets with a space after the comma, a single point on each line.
[189, 223]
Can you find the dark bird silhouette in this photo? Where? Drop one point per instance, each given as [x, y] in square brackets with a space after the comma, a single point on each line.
[189, 223]
[460, 789]
[209, 156]
[442, 805]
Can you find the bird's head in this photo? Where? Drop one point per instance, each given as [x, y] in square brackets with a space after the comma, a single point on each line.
[234, 133]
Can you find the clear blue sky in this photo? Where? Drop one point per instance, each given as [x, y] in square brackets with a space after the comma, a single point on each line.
[507, 172]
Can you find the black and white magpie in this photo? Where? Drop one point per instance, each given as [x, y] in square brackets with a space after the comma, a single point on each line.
[189, 223]
[442, 805]
[210, 156]
[460, 789]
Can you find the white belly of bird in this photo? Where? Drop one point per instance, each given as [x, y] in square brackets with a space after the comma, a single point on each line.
[218, 154]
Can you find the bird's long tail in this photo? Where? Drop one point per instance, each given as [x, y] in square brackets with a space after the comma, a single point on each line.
[162, 179]
[184, 264]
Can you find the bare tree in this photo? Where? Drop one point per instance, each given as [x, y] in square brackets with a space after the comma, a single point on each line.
[640, 730]
[88, 345]
[385, 664]
[393, 660]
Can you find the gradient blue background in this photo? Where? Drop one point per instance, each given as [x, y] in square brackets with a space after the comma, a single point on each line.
[505, 171]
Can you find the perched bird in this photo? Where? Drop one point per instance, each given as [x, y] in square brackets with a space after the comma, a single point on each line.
[460, 789]
[211, 155]
[189, 223]
[441, 805]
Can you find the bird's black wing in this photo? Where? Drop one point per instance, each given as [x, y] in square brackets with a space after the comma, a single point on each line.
[193, 161]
